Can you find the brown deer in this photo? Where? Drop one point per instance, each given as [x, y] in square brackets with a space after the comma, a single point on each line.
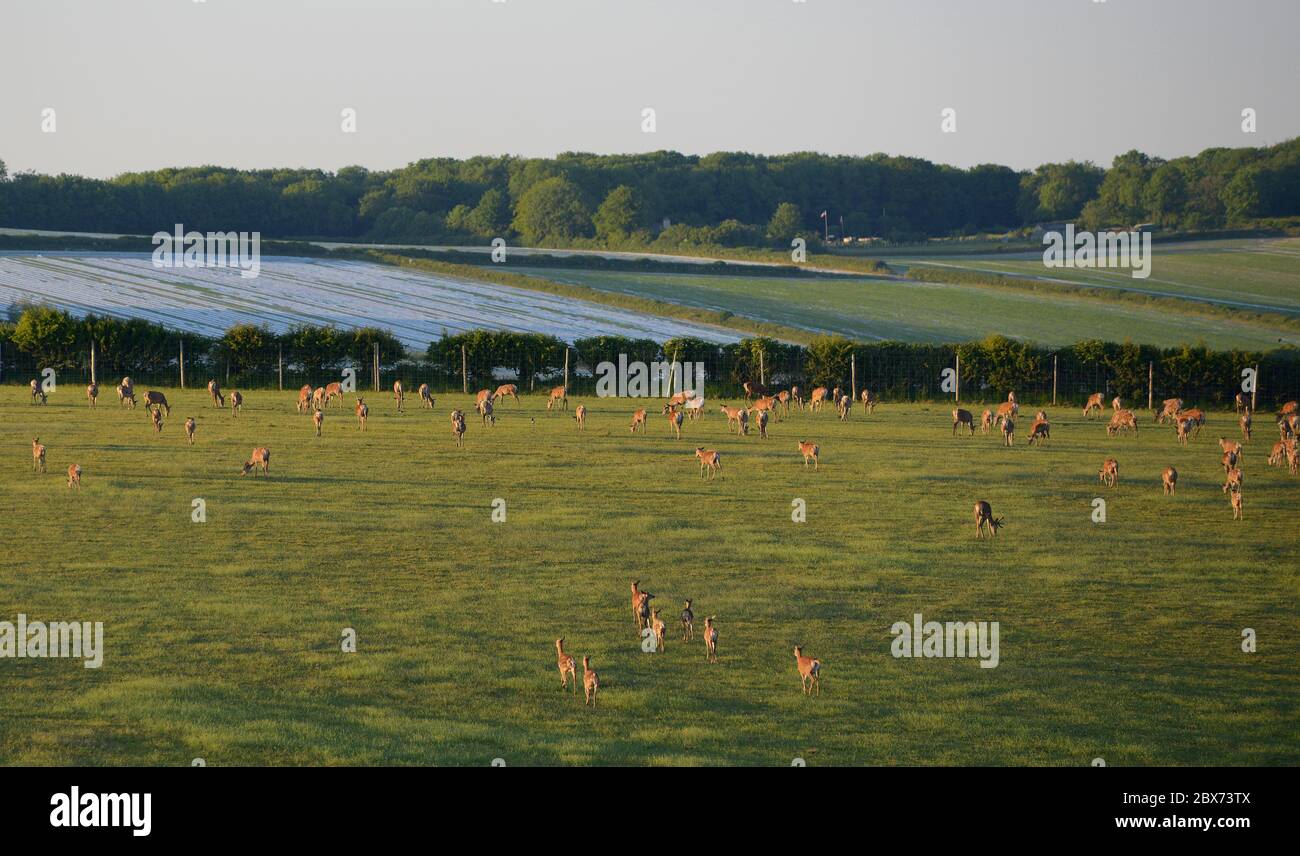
[1232, 480]
[984, 519]
[796, 396]
[810, 671]
[560, 394]
[1116, 404]
[399, 394]
[363, 414]
[1237, 509]
[753, 390]
[674, 417]
[580, 414]
[318, 398]
[1245, 426]
[214, 392]
[1293, 459]
[126, 395]
[507, 390]
[639, 599]
[1195, 415]
[1007, 410]
[157, 399]
[688, 622]
[962, 418]
[694, 406]
[845, 405]
[1094, 403]
[481, 396]
[487, 410]
[1170, 479]
[189, 429]
[1239, 403]
[869, 401]
[458, 427]
[74, 476]
[1122, 420]
[261, 459]
[332, 391]
[1229, 459]
[590, 682]
[819, 396]
[1008, 430]
[236, 402]
[155, 416]
[1040, 431]
[1229, 445]
[638, 421]
[762, 424]
[710, 640]
[426, 400]
[1168, 408]
[38, 455]
[986, 421]
[737, 416]
[1109, 472]
[38, 392]
[766, 403]
[1278, 454]
[811, 452]
[1185, 429]
[567, 667]
[92, 393]
[1289, 408]
[304, 398]
[783, 399]
[659, 628]
[317, 419]
[710, 462]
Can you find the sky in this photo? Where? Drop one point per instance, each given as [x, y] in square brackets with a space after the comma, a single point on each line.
[144, 84]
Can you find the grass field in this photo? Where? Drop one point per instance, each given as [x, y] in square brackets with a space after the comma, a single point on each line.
[1119, 640]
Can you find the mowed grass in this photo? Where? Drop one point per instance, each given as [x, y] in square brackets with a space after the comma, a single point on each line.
[1119, 640]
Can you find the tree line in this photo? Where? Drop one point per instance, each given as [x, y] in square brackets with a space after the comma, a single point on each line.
[666, 199]
[37, 337]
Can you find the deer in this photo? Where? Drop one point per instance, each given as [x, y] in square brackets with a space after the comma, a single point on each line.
[560, 394]
[1168, 408]
[38, 392]
[1239, 403]
[92, 393]
[846, 404]
[984, 519]
[332, 391]
[761, 416]
[1245, 426]
[658, 627]
[753, 390]
[1185, 429]
[318, 398]
[236, 402]
[737, 416]
[962, 418]
[1040, 431]
[638, 421]
[710, 640]
[507, 390]
[674, 417]
[869, 401]
[1116, 404]
[796, 395]
[811, 452]
[1232, 479]
[783, 399]
[580, 414]
[1008, 430]
[677, 399]
[1109, 472]
[458, 427]
[487, 410]
[1122, 420]
[1280, 450]
[1293, 459]
[1195, 415]
[819, 396]
[566, 665]
[426, 400]
[1170, 480]
[694, 406]
[688, 622]
[765, 404]
[986, 421]
[155, 416]
[810, 671]
[481, 396]
[190, 425]
[1007, 410]
[1229, 445]
[399, 394]
[74, 476]
[38, 455]
[1287, 425]
[214, 393]
[363, 414]
[126, 394]
[157, 399]
[261, 459]
[1094, 403]
[304, 398]
[710, 462]
[317, 419]
[1237, 505]
[590, 682]
[1289, 408]
[1229, 460]
[639, 598]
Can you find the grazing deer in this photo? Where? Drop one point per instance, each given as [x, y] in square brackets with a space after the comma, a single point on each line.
[1195, 415]
[481, 396]
[762, 424]
[1287, 425]
[487, 410]
[126, 394]
[737, 416]
[1229, 445]
[674, 419]
[304, 398]
[986, 421]
[1237, 510]
[810, 671]
[214, 393]
[426, 400]
[1109, 472]
[960, 418]
[37, 392]
[753, 390]
[869, 401]
[637, 601]
[92, 393]
[1229, 460]
[710, 462]
[318, 399]
[317, 419]
[658, 627]
[590, 682]
[1040, 416]
[638, 421]
[1232, 480]
[796, 396]
[694, 406]
[560, 394]
[507, 390]
[458, 427]
[1239, 403]
[1185, 429]
[1094, 403]
[710, 640]
[568, 669]
[1170, 479]
[1041, 431]
[846, 404]
[1116, 404]
[819, 396]
[157, 399]
[74, 476]
[688, 622]
[984, 519]
[677, 399]
[189, 429]
[332, 391]
[1279, 452]
[38, 455]
[1168, 408]
[1008, 430]
[363, 414]
[783, 399]
[1122, 420]
[765, 404]
[1245, 426]
[261, 459]
[399, 394]
[155, 416]
[811, 452]
[1007, 410]
[580, 414]
[236, 402]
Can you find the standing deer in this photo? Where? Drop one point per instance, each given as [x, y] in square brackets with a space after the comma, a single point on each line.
[426, 400]
[155, 415]
[1041, 431]
[1168, 408]
[304, 398]
[710, 462]
[688, 622]
[986, 421]
[458, 427]
[214, 392]
[332, 391]
[869, 401]
[580, 414]
[74, 476]
[819, 396]
[737, 416]
[1116, 404]
[363, 414]
[1008, 430]
[92, 393]
[638, 421]
[38, 455]
[590, 682]
[984, 519]
[762, 424]
[317, 419]
[1237, 510]
[962, 418]
[811, 452]
[1232, 480]
[796, 396]
[399, 395]
[487, 410]
[846, 404]
[1239, 403]
[567, 667]
[126, 393]
[810, 671]
[659, 628]
[1109, 472]
[1170, 479]
[236, 402]
[1245, 426]
[38, 392]
[674, 419]
[189, 429]
[261, 459]
[318, 398]
[639, 597]
[157, 399]
[710, 640]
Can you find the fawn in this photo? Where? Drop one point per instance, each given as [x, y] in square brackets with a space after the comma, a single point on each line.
[590, 682]
[659, 628]
[568, 669]
[811, 452]
[710, 640]
[74, 476]
[38, 455]
[189, 429]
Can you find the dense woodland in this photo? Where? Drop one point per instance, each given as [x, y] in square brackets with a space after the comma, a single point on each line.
[721, 199]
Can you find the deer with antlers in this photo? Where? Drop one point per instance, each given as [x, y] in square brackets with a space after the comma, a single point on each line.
[984, 519]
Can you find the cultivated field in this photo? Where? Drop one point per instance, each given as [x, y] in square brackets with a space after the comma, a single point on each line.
[1119, 640]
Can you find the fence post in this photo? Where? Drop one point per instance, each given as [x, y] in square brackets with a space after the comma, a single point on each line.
[281, 366]
[1053, 380]
[375, 373]
[762, 373]
[92, 360]
[182, 363]
[566, 369]
[1254, 389]
[956, 388]
[1151, 379]
[853, 374]
[464, 371]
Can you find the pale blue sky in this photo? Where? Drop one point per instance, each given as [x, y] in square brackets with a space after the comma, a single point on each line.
[139, 84]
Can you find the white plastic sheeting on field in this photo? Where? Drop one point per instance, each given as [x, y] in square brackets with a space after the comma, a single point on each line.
[416, 307]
